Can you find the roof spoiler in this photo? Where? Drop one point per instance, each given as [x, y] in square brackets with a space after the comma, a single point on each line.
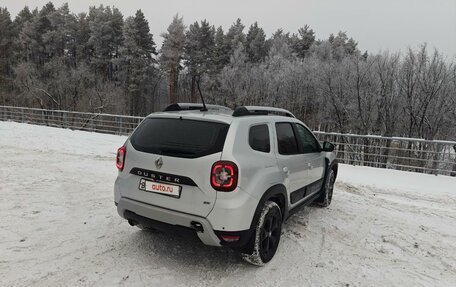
[193, 106]
[259, 110]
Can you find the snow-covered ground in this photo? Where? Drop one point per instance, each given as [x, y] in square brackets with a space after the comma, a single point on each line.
[59, 226]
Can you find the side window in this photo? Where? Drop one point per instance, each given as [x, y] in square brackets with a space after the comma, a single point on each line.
[286, 139]
[307, 140]
[259, 138]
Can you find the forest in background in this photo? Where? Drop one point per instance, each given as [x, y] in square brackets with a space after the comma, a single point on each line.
[101, 61]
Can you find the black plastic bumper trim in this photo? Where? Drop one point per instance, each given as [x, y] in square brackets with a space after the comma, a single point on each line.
[244, 237]
[161, 226]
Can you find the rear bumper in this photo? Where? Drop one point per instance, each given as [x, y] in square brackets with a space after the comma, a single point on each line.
[139, 211]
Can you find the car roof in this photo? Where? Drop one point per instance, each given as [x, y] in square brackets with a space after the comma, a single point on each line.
[219, 116]
[216, 116]
[197, 111]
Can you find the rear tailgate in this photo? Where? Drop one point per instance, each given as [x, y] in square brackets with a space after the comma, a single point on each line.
[175, 153]
[197, 199]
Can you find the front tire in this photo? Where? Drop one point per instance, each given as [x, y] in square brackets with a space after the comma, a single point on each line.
[267, 235]
[327, 190]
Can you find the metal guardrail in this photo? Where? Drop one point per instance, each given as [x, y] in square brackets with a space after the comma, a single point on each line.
[93, 122]
[418, 155]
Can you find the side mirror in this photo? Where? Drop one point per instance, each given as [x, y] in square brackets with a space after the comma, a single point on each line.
[328, 147]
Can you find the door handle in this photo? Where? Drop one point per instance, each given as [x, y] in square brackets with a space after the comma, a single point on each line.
[309, 165]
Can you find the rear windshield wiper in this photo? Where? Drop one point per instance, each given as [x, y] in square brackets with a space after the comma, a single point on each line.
[176, 152]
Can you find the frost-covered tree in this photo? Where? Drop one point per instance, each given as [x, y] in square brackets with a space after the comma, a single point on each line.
[424, 81]
[100, 62]
[279, 45]
[234, 79]
[386, 69]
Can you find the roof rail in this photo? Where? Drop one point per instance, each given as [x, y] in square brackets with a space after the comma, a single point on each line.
[193, 106]
[259, 110]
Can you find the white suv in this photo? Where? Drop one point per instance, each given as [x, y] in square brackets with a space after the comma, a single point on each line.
[231, 178]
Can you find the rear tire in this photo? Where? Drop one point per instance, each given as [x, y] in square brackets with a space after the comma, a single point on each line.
[327, 190]
[267, 235]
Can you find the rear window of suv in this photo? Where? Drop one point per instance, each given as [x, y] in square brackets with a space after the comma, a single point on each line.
[179, 137]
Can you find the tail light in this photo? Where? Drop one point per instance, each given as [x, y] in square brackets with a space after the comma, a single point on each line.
[224, 176]
[120, 159]
[230, 238]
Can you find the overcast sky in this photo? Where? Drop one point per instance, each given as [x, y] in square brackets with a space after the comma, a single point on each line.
[376, 25]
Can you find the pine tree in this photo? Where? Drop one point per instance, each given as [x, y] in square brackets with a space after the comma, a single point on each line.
[7, 36]
[47, 9]
[137, 61]
[199, 48]
[342, 46]
[143, 37]
[33, 45]
[235, 36]
[81, 47]
[302, 42]
[221, 55]
[105, 40]
[192, 55]
[171, 54]
[61, 37]
[256, 44]
[22, 17]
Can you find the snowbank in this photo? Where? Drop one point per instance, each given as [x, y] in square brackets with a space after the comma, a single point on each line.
[59, 226]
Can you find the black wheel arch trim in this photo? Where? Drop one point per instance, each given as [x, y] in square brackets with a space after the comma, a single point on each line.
[244, 237]
[329, 165]
[272, 192]
[275, 191]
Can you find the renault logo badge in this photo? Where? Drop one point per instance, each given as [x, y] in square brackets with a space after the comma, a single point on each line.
[159, 162]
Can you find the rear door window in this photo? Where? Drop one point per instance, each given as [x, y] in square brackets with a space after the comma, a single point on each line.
[259, 138]
[286, 139]
[179, 137]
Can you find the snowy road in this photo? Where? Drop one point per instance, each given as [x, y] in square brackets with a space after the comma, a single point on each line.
[59, 226]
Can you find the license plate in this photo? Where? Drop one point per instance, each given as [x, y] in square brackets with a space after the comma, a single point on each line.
[158, 187]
